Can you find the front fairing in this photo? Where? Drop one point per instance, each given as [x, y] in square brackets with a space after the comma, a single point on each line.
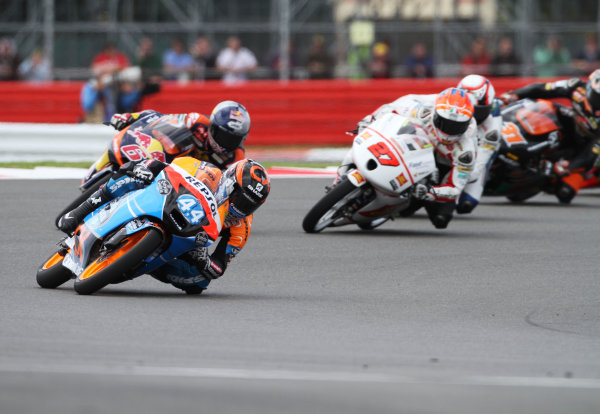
[389, 158]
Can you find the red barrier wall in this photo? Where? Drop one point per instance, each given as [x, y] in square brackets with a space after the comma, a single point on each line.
[293, 113]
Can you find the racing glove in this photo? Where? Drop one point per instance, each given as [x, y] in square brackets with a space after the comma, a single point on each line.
[210, 267]
[508, 97]
[143, 171]
[422, 192]
[120, 121]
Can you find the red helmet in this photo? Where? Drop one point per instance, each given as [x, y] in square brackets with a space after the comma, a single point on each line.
[452, 115]
[247, 186]
[483, 92]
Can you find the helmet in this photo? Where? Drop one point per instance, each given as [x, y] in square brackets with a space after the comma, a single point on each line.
[228, 127]
[452, 115]
[592, 91]
[247, 186]
[483, 92]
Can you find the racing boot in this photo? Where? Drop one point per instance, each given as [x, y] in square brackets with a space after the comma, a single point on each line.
[440, 214]
[568, 187]
[69, 222]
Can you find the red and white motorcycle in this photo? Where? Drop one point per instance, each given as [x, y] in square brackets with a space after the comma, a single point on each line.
[388, 160]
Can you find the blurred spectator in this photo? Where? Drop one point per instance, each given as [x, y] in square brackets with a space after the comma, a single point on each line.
[477, 60]
[147, 59]
[588, 58]
[177, 63]
[505, 62]
[318, 61]
[419, 63]
[551, 59]
[206, 59]
[9, 60]
[109, 61]
[121, 92]
[380, 64]
[36, 68]
[235, 62]
[274, 61]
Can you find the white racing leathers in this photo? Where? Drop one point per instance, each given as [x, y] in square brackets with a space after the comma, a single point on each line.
[488, 142]
[457, 158]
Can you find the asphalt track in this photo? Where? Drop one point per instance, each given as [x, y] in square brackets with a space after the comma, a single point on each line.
[500, 313]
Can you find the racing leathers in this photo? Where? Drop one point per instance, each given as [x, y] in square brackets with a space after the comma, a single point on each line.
[455, 162]
[488, 142]
[197, 145]
[193, 271]
[580, 126]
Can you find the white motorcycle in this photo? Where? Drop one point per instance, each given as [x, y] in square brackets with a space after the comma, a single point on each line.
[389, 159]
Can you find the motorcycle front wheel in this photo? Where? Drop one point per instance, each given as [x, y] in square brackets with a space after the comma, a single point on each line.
[112, 265]
[52, 273]
[325, 212]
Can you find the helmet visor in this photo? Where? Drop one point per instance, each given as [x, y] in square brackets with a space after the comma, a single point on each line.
[482, 112]
[593, 98]
[450, 127]
[240, 203]
[224, 140]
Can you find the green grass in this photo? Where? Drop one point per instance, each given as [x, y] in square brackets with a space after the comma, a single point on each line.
[83, 164]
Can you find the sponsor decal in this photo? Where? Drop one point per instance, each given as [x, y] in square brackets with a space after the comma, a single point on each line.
[401, 179]
[257, 190]
[202, 238]
[359, 178]
[366, 135]
[134, 225]
[236, 115]
[394, 185]
[180, 280]
[164, 186]
[120, 183]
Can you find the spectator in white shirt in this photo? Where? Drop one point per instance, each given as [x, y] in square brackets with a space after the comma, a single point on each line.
[235, 61]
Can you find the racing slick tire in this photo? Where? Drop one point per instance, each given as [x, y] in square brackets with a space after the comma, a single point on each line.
[321, 215]
[52, 273]
[111, 266]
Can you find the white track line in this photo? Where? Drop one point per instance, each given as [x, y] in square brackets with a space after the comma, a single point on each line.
[312, 376]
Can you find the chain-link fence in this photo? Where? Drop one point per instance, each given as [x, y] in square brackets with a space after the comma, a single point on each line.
[291, 38]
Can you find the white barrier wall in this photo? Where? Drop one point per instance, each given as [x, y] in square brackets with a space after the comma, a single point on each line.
[53, 142]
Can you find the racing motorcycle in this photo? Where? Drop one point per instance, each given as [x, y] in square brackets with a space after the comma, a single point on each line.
[163, 139]
[532, 141]
[136, 233]
[388, 160]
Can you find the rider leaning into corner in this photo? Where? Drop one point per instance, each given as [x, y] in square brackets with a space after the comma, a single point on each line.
[239, 190]
[447, 121]
[489, 127]
[580, 123]
[217, 138]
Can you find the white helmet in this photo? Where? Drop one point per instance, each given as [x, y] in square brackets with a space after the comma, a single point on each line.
[483, 92]
[452, 115]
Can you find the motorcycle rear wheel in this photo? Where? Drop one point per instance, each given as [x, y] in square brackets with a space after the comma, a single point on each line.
[317, 218]
[111, 267]
[52, 273]
[82, 197]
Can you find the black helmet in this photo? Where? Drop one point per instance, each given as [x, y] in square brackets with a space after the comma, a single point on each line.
[592, 91]
[247, 185]
[228, 127]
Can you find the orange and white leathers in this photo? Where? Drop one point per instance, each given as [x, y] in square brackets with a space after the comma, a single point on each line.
[459, 156]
